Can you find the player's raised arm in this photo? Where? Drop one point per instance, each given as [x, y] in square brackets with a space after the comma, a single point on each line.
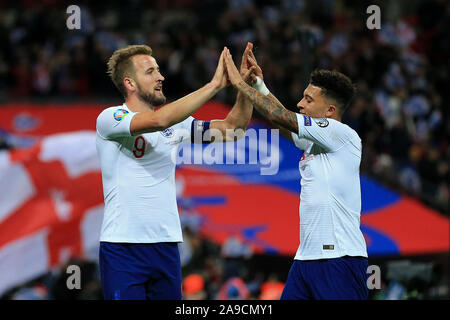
[180, 109]
[234, 125]
[258, 83]
[268, 107]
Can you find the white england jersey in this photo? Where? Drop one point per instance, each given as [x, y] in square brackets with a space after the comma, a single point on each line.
[138, 174]
[330, 198]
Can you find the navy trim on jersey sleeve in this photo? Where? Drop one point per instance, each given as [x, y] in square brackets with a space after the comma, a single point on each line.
[200, 132]
[307, 120]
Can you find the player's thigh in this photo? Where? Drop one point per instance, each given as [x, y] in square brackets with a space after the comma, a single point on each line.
[166, 279]
[122, 286]
[119, 280]
[295, 287]
[164, 288]
[340, 279]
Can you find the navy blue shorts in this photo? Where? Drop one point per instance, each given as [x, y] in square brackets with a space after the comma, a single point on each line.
[342, 278]
[132, 271]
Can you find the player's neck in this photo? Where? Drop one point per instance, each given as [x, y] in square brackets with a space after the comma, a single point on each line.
[137, 105]
[336, 117]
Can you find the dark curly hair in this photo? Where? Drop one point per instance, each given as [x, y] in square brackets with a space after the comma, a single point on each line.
[334, 85]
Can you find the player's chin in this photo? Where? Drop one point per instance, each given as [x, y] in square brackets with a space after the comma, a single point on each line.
[159, 99]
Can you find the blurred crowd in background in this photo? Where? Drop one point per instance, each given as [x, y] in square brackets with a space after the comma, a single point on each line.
[401, 72]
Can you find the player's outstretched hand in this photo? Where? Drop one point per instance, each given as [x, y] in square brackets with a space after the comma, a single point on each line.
[252, 62]
[220, 76]
[247, 70]
[233, 73]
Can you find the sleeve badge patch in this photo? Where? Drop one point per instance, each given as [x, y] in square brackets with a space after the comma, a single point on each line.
[322, 122]
[307, 120]
[120, 114]
[167, 133]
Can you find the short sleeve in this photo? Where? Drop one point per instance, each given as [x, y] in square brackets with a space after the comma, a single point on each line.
[183, 129]
[300, 143]
[187, 124]
[328, 133]
[114, 122]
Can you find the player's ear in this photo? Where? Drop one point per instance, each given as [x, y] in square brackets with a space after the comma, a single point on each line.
[332, 109]
[129, 84]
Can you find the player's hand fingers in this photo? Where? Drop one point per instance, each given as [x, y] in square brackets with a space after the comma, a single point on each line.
[252, 61]
[228, 60]
[247, 75]
[258, 70]
[220, 65]
[231, 63]
[219, 75]
[251, 54]
[233, 73]
[244, 57]
[221, 60]
[249, 49]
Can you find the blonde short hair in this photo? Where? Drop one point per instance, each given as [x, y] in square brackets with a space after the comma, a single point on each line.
[121, 66]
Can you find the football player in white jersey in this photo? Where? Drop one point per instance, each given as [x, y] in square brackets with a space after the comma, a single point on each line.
[139, 256]
[331, 260]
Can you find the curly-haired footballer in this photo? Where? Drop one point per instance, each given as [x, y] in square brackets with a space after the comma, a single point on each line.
[331, 260]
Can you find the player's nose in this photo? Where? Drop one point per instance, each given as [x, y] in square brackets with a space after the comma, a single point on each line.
[160, 77]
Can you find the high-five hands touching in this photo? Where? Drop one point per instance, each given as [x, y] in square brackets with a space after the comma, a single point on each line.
[219, 80]
[252, 62]
[233, 74]
[247, 69]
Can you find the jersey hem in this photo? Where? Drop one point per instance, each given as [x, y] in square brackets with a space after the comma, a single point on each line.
[139, 240]
[317, 257]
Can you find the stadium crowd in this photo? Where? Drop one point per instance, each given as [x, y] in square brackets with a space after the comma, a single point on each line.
[401, 72]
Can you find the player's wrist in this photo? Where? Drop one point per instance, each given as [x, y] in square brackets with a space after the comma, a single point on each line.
[213, 86]
[261, 86]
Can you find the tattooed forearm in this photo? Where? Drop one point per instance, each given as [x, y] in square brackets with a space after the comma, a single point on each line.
[269, 108]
